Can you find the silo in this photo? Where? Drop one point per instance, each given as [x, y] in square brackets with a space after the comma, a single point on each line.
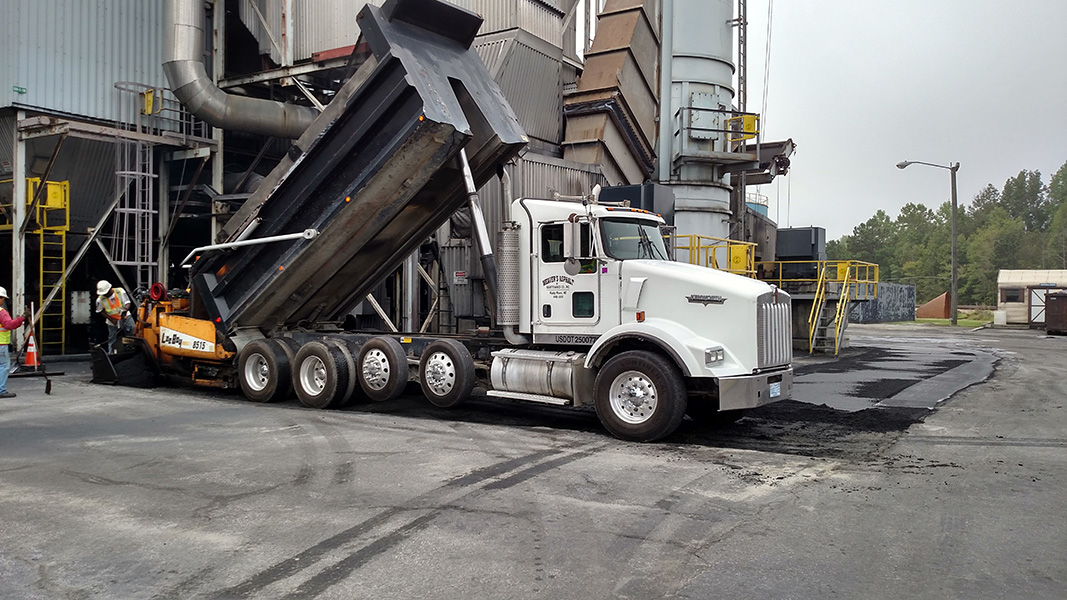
[696, 97]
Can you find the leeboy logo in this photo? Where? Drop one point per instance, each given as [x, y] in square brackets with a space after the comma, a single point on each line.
[705, 299]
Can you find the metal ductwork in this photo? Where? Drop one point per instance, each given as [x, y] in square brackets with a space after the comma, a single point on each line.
[183, 46]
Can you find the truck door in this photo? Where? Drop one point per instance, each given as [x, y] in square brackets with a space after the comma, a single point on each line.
[568, 296]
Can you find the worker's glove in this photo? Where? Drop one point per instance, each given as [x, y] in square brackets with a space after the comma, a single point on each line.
[25, 313]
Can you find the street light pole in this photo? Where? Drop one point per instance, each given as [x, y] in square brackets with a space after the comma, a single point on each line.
[955, 306]
[952, 167]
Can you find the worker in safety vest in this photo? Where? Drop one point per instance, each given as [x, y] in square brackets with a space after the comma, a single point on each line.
[115, 304]
[7, 325]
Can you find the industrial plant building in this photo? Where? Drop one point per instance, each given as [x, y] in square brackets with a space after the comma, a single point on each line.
[130, 131]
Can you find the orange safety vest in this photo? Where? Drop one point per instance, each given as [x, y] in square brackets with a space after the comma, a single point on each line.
[112, 308]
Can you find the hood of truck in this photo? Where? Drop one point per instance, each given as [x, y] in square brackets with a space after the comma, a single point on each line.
[729, 310]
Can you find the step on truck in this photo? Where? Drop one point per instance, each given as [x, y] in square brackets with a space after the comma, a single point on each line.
[590, 309]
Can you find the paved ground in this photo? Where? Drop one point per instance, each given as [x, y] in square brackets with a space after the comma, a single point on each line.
[164, 493]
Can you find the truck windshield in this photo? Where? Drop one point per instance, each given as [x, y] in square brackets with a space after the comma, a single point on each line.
[633, 238]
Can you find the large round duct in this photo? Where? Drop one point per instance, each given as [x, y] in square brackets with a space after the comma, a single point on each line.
[696, 99]
[183, 46]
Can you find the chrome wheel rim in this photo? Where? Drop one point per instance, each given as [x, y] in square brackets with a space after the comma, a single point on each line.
[376, 369]
[633, 397]
[313, 375]
[257, 372]
[440, 375]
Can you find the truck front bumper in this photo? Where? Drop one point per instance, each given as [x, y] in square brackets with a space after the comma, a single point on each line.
[750, 391]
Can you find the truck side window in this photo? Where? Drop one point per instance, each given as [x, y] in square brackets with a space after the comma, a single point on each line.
[552, 243]
[552, 246]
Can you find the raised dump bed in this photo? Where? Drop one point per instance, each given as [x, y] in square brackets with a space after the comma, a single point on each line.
[374, 175]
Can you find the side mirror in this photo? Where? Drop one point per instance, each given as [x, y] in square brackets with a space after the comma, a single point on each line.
[572, 239]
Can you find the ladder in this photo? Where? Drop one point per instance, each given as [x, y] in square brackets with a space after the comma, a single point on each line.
[133, 228]
[53, 219]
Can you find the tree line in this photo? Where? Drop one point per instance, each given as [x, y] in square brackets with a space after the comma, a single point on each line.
[1020, 226]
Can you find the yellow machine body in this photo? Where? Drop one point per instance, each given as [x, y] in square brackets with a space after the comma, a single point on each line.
[181, 344]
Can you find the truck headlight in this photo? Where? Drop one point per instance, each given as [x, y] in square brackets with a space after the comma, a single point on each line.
[714, 355]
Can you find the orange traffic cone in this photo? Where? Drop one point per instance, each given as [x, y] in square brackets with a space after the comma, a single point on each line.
[31, 353]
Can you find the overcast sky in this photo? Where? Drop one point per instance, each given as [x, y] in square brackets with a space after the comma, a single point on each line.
[862, 85]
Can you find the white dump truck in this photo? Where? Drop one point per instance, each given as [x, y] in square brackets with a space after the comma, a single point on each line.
[590, 309]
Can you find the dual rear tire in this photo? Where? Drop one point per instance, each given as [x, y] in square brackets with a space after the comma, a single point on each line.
[265, 369]
[322, 373]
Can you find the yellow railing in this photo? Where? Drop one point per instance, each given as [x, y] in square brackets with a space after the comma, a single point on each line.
[842, 310]
[791, 275]
[718, 253]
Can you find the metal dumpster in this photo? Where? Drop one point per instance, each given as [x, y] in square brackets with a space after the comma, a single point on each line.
[1056, 313]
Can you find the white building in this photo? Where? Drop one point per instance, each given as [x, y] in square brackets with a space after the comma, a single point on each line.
[1021, 293]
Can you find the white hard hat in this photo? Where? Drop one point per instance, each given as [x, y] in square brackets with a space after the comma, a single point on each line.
[103, 286]
[3, 292]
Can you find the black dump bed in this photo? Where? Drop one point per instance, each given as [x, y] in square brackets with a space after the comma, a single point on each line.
[374, 175]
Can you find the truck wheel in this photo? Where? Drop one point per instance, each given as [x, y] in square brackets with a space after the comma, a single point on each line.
[640, 396]
[446, 373]
[351, 387]
[264, 369]
[383, 369]
[322, 374]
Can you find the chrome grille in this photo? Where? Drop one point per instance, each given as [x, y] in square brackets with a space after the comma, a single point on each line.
[774, 330]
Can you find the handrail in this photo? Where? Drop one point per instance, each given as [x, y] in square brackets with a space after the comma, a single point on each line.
[842, 310]
[865, 277]
[816, 309]
[704, 250]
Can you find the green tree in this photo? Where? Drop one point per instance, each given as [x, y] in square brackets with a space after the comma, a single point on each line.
[1056, 245]
[992, 248]
[874, 241]
[1025, 198]
[1022, 226]
[838, 249]
[1057, 188]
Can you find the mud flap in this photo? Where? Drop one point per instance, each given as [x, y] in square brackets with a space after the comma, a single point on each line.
[132, 368]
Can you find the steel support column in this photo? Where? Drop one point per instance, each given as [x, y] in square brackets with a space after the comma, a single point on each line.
[17, 286]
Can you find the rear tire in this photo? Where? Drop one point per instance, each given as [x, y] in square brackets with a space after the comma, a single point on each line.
[640, 396]
[382, 369]
[264, 371]
[322, 375]
[446, 373]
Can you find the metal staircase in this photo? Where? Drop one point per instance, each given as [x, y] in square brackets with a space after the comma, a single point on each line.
[830, 310]
[830, 288]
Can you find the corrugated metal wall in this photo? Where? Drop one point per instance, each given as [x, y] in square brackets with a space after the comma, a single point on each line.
[318, 25]
[529, 74]
[326, 24]
[7, 142]
[543, 18]
[68, 55]
[538, 176]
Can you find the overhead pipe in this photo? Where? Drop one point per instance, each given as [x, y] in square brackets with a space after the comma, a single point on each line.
[183, 45]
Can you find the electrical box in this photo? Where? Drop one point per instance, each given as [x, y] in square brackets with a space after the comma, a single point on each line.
[81, 307]
[55, 195]
[703, 117]
[741, 258]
